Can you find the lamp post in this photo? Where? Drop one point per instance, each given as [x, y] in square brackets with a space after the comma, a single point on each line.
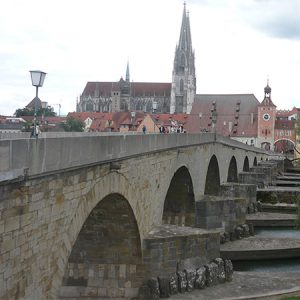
[37, 80]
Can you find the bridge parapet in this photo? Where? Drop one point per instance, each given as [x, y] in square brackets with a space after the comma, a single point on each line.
[50, 155]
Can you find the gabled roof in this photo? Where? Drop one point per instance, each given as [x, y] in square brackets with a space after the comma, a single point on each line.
[287, 113]
[31, 104]
[267, 102]
[105, 89]
[92, 115]
[239, 109]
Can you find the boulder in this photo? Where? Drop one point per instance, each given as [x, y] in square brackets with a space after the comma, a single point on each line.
[200, 279]
[182, 282]
[190, 277]
[228, 269]
[211, 274]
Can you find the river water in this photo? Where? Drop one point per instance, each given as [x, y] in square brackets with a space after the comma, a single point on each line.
[278, 265]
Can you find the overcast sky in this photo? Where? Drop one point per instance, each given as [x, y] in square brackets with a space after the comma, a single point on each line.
[238, 45]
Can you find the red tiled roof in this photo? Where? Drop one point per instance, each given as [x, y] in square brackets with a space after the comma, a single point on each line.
[105, 89]
[238, 109]
[286, 113]
[93, 115]
[127, 121]
[98, 125]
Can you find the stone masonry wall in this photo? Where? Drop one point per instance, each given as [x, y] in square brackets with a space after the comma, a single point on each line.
[216, 212]
[239, 190]
[170, 248]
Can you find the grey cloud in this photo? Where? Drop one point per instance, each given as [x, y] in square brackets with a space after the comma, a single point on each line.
[276, 18]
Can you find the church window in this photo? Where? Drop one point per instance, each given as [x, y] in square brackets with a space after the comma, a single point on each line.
[89, 106]
[181, 85]
[182, 61]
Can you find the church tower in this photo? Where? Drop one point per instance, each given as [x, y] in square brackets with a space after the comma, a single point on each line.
[125, 89]
[183, 88]
[266, 121]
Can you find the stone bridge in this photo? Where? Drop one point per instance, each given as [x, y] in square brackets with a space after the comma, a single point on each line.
[92, 216]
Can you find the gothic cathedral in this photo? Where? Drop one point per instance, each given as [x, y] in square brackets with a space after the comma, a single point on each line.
[149, 97]
[184, 79]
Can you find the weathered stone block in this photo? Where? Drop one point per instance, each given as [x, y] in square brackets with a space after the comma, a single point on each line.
[182, 282]
[211, 274]
[173, 284]
[246, 231]
[190, 277]
[200, 279]
[227, 236]
[239, 232]
[221, 270]
[228, 269]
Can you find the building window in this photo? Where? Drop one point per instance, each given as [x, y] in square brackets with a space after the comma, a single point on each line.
[181, 85]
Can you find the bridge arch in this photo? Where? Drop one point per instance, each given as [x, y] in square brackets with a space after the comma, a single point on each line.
[212, 182]
[107, 248]
[179, 205]
[284, 145]
[246, 165]
[232, 175]
[110, 186]
[255, 161]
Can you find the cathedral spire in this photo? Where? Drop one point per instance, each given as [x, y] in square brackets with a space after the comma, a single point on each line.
[185, 40]
[127, 72]
[184, 79]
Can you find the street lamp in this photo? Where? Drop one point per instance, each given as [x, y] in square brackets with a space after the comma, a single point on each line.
[37, 79]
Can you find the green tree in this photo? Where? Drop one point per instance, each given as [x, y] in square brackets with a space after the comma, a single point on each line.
[73, 124]
[47, 112]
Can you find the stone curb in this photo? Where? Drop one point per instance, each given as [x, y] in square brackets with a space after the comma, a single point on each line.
[267, 295]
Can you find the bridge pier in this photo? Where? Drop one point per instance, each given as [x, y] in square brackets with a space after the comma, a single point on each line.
[169, 248]
[216, 212]
[241, 190]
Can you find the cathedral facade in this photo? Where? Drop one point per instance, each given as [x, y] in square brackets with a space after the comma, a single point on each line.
[149, 97]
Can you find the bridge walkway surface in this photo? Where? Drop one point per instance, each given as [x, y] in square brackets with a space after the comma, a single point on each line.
[250, 285]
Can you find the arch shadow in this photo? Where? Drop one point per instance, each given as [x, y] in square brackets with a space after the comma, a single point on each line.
[246, 167]
[232, 175]
[212, 182]
[107, 248]
[179, 205]
[255, 161]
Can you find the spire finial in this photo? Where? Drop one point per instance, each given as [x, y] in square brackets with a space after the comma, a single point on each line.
[268, 89]
[127, 71]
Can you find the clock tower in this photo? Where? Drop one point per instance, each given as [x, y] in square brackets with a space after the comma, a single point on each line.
[266, 121]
